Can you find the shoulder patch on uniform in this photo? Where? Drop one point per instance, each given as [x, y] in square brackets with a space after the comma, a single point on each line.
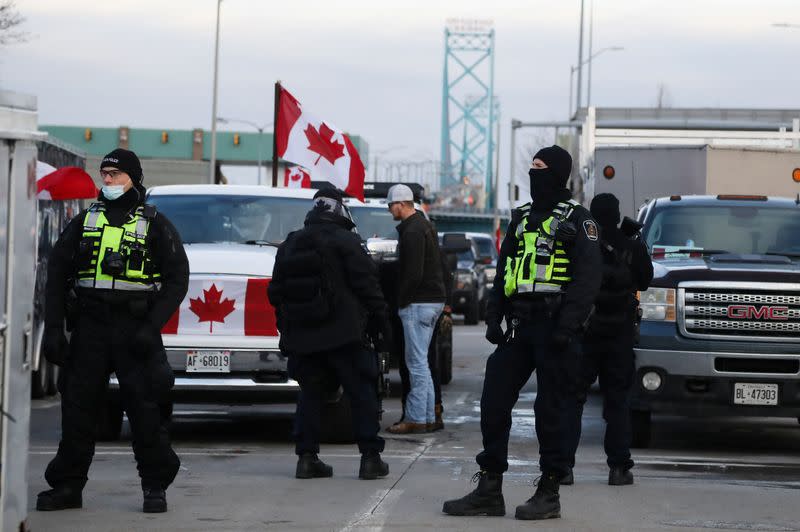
[590, 228]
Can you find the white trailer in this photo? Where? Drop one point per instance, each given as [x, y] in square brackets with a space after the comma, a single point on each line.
[18, 136]
[635, 174]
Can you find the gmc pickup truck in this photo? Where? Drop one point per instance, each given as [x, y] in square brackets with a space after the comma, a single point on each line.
[720, 329]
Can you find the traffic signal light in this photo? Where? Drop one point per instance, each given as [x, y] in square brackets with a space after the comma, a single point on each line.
[236, 139]
[164, 137]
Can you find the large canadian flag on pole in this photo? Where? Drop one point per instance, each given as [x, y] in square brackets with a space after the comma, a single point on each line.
[316, 145]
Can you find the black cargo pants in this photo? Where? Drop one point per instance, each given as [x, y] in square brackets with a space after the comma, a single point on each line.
[101, 343]
[507, 371]
[612, 360]
[356, 369]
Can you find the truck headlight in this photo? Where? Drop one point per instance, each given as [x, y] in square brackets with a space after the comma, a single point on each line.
[658, 304]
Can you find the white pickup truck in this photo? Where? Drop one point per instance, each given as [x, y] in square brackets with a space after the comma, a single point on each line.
[222, 343]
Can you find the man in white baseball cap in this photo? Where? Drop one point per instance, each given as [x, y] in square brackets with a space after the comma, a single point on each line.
[420, 299]
[399, 193]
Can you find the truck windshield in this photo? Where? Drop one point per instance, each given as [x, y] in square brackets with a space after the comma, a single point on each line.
[237, 219]
[374, 222]
[735, 229]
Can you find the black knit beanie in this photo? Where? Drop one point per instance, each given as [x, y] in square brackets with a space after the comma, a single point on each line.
[125, 160]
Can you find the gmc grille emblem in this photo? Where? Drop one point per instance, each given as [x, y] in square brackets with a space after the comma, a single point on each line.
[752, 312]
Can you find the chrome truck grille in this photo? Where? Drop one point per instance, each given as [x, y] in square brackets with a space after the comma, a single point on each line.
[739, 311]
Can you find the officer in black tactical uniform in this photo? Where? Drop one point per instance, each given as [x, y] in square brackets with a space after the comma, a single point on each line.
[608, 343]
[125, 265]
[548, 275]
[327, 299]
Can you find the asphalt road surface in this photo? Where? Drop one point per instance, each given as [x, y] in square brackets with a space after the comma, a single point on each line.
[238, 473]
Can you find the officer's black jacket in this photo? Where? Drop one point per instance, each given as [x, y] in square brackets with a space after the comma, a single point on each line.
[626, 268]
[585, 261]
[356, 291]
[164, 244]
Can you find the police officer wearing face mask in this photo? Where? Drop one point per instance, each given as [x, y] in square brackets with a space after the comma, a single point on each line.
[121, 268]
[547, 277]
[608, 343]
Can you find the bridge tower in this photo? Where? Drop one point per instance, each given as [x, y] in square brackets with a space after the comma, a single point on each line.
[470, 111]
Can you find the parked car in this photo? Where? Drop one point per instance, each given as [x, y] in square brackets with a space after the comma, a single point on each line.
[475, 272]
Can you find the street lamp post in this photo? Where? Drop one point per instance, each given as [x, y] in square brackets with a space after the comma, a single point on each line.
[214, 102]
[260, 129]
[574, 68]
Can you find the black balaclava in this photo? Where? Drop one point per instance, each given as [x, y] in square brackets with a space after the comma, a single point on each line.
[329, 206]
[548, 185]
[605, 210]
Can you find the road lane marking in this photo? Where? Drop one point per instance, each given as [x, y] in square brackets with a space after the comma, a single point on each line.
[382, 496]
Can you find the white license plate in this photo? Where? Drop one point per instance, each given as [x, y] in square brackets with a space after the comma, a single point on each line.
[752, 393]
[208, 361]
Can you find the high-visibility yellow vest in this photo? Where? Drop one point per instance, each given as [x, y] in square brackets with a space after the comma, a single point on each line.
[541, 264]
[100, 238]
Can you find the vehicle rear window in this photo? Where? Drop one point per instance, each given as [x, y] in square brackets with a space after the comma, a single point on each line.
[485, 247]
[238, 219]
[736, 229]
[374, 223]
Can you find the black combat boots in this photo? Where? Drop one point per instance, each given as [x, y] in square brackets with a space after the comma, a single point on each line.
[618, 476]
[61, 498]
[545, 502]
[486, 499]
[372, 467]
[155, 501]
[310, 466]
[568, 479]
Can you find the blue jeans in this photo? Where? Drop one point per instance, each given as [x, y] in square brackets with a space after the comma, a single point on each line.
[419, 320]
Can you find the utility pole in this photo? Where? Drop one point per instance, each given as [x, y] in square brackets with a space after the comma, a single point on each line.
[214, 102]
[580, 64]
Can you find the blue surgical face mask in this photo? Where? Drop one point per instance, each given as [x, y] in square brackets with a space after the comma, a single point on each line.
[112, 192]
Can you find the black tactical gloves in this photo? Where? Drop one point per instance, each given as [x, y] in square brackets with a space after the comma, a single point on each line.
[379, 330]
[561, 340]
[54, 346]
[147, 339]
[494, 333]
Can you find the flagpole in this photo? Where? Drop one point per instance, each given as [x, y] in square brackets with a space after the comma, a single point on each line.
[275, 136]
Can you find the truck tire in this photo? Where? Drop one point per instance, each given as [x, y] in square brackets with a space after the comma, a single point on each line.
[640, 428]
[471, 313]
[109, 424]
[337, 421]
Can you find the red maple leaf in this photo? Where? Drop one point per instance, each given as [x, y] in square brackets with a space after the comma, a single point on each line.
[321, 142]
[210, 308]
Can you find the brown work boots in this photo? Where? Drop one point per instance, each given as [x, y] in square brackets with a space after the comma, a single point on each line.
[409, 427]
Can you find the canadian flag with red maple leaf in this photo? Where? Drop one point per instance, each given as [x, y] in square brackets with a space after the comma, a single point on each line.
[296, 177]
[318, 146]
[224, 307]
